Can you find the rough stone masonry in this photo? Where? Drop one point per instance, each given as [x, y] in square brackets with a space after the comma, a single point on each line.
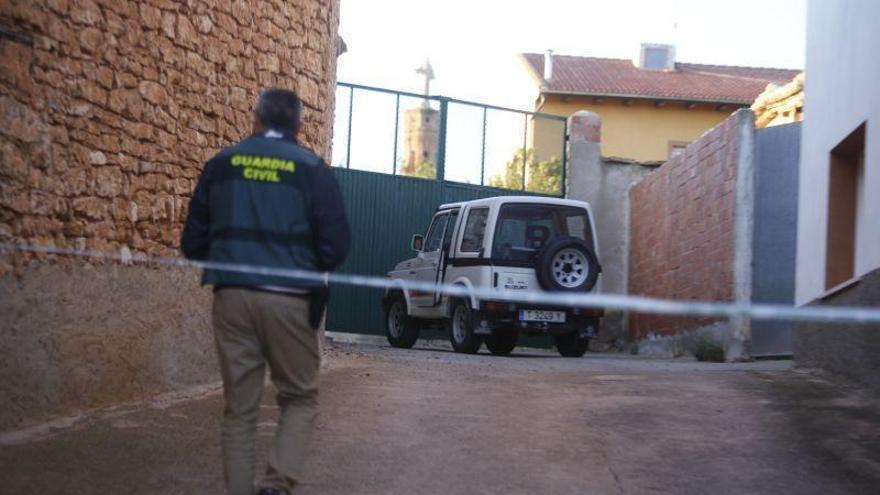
[108, 109]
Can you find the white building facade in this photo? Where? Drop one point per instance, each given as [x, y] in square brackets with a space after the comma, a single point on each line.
[839, 191]
[838, 237]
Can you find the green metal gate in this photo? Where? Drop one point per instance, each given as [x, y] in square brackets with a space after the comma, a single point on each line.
[384, 212]
[386, 209]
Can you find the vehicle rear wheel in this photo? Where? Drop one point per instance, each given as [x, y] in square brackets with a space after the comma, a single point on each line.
[572, 344]
[502, 342]
[461, 329]
[401, 329]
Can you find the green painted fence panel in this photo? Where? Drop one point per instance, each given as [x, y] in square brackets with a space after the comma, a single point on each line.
[384, 212]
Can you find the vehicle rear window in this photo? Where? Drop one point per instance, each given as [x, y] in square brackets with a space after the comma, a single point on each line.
[524, 228]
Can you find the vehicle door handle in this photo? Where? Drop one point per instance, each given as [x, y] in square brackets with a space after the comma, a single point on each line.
[412, 272]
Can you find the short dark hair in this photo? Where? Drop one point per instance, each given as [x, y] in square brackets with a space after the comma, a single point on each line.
[280, 109]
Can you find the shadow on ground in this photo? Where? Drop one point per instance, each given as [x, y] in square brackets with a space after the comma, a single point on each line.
[434, 422]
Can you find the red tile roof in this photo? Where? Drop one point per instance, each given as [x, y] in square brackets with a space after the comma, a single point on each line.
[688, 82]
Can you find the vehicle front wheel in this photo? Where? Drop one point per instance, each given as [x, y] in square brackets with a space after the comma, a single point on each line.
[502, 342]
[461, 329]
[401, 330]
[572, 344]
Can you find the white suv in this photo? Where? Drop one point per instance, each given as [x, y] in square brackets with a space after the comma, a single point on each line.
[507, 246]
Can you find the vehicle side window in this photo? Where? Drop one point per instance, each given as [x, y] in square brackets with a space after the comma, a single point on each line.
[474, 230]
[450, 229]
[435, 234]
[577, 225]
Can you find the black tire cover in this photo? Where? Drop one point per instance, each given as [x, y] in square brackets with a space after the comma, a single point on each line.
[544, 264]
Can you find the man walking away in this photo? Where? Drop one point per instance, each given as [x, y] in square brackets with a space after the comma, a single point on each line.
[267, 201]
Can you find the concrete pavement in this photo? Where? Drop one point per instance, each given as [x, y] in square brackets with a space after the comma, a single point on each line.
[431, 421]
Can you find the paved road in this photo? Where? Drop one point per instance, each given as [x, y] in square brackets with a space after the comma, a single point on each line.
[434, 422]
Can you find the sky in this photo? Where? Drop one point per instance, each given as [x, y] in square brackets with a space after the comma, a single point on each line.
[473, 47]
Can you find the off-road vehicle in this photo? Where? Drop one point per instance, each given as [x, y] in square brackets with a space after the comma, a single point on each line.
[506, 246]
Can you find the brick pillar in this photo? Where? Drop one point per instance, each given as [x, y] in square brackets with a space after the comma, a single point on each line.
[584, 153]
[585, 178]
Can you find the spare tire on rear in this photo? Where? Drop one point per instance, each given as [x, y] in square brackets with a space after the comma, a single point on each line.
[567, 264]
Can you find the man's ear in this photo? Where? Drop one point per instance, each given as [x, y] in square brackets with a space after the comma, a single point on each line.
[258, 125]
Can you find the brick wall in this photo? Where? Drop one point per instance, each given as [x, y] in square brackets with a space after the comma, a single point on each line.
[108, 108]
[682, 229]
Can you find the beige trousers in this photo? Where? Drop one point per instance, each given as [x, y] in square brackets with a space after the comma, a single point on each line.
[253, 329]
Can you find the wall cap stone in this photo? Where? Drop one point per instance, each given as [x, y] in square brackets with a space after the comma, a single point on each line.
[585, 127]
[617, 160]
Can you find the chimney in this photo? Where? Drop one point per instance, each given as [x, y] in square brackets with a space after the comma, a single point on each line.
[655, 56]
[548, 65]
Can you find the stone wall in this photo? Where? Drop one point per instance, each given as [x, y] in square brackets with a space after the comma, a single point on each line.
[780, 105]
[83, 336]
[682, 229]
[849, 350]
[604, 183]
[108, 108]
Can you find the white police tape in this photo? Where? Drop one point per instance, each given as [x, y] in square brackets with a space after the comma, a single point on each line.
[639, 304]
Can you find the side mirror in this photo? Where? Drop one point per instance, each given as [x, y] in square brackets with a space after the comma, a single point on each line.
[417, 242]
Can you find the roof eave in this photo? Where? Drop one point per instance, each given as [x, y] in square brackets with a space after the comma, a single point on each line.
[716, 101]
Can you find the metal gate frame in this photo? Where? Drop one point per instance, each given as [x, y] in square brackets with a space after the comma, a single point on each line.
[385, 210]
[444, 103]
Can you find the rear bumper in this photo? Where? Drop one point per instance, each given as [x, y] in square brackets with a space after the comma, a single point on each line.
[504, 314]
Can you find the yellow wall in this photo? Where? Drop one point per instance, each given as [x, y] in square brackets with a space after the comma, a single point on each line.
[641, 131]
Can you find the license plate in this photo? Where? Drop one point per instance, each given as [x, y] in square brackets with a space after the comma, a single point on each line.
[538, 315]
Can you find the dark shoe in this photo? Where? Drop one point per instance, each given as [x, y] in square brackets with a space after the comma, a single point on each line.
[272, 491]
